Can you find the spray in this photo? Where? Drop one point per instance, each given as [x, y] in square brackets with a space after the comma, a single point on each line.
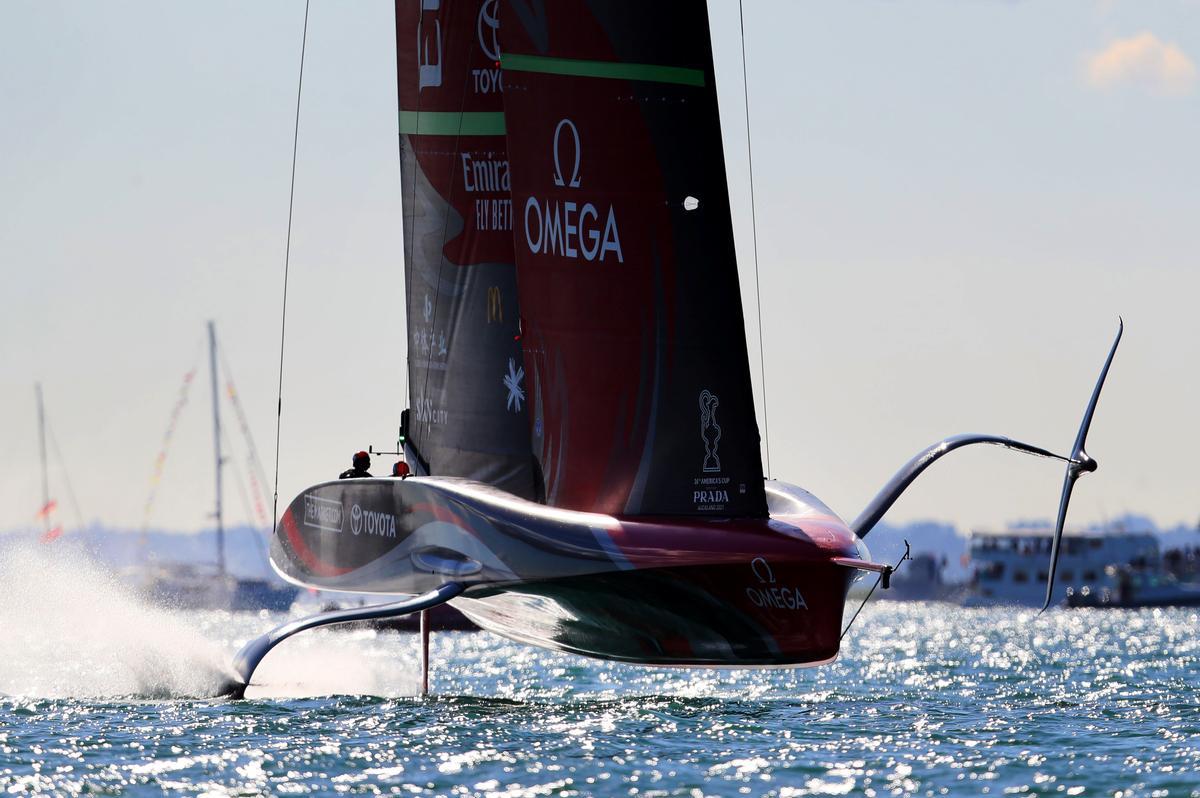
[70, 628]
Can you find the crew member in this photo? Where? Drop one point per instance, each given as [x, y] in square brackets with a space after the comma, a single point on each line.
[400, 469]
[362, 461]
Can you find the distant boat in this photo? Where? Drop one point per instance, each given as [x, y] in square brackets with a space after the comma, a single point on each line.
[50, 530]
[923, 579]
[1009, 567]
[188, 586]
[1125, 587]
[1171, 581]
[192, 586]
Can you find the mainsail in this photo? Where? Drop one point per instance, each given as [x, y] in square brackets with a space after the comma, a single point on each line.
[468, 412]
[633, 332]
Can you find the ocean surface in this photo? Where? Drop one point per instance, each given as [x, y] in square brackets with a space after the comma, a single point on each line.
[101, 695]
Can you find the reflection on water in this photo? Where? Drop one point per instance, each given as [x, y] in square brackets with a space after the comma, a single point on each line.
[926, 699]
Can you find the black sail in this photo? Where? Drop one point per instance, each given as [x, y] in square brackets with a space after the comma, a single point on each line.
[634, 337]
[468, 412]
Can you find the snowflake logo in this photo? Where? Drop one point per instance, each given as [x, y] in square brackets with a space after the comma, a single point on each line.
[512, 381]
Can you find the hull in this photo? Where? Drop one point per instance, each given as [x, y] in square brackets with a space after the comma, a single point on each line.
[258, 594]
[188, 589]
[661, 591]
[1140, 591]
[696, 616]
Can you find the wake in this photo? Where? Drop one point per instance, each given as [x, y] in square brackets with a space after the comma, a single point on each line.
[70, 629]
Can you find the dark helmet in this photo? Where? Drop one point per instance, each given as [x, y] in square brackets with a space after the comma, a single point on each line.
[362, 460]
[400, 469]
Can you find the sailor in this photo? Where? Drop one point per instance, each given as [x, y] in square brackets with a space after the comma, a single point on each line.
[362, 461]
[400, 469]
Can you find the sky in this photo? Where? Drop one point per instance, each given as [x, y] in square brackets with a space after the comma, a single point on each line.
[955, 200]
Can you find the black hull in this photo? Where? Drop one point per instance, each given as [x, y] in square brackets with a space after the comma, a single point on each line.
[255, 594]
[657, 591]
[695, 617]
[215, 593]
[1135, 603]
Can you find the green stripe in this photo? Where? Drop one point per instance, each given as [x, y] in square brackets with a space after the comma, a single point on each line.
[602, 69]
[449, 123]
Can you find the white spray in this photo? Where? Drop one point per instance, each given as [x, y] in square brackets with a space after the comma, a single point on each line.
[71, 629]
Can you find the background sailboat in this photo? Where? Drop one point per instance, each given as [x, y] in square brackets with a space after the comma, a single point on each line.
[213, 586]
[47, 513]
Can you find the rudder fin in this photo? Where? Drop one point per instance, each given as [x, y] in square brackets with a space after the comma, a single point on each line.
[1080, 464]
[251, 655]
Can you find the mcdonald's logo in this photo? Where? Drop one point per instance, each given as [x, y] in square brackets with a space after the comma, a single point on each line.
[495, 305]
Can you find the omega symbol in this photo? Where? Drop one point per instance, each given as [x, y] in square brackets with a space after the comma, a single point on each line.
[558, 172]
[762, 570]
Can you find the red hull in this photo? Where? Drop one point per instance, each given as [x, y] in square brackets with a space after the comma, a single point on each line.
[669, 591]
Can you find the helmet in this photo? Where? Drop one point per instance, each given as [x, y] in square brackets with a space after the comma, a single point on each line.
[401, 469]
[362, 460]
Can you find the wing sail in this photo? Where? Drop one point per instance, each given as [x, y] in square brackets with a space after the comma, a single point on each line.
[635, 346]
[468, 410]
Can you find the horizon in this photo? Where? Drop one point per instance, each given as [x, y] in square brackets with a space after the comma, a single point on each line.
[1126, 522]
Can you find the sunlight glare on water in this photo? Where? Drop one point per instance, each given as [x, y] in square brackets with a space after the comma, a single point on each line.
[925, 700]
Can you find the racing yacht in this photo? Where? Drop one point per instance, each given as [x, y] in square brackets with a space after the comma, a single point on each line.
[581, 422]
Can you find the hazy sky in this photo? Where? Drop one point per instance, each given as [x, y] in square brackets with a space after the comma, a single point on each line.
[955, 201]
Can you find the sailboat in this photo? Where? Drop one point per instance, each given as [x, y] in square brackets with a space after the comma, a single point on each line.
[188, 586]
[50, 530]
[582, 428]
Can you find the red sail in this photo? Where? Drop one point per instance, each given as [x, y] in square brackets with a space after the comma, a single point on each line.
[468, 414]
[634, 342]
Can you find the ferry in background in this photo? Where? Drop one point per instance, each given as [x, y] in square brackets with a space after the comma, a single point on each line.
[1174, 582]
[1114, 568]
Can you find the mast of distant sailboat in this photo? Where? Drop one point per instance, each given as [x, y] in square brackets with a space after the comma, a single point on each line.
[216, 408]
[45, 506]
[50, 531]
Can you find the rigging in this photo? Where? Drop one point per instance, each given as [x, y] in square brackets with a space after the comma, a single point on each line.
[287, 256]
[255, 472]
[164, 448]
[66, 477]
[762, 360]
[409, 243]
[50, 529]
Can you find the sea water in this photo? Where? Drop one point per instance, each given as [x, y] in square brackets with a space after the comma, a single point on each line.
[101, 695]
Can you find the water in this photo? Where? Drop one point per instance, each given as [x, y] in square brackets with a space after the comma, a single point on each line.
[926, 700]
